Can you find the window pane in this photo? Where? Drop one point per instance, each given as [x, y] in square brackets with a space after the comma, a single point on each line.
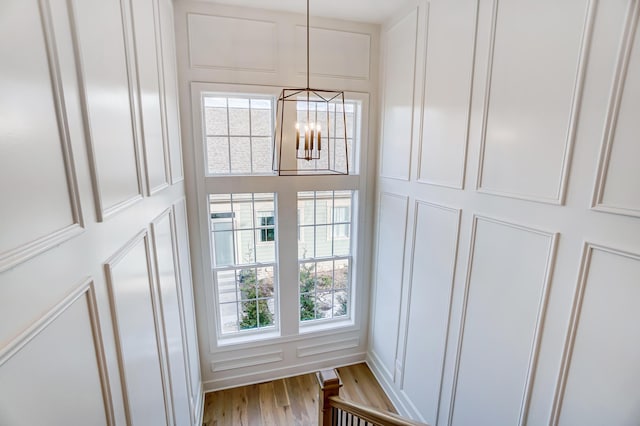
[218, 155]
[240, 155]
[239, 117]
[262, 160]
[216, 121]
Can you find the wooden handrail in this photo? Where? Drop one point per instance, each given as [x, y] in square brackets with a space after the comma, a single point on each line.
[330, 384]
[372, 415]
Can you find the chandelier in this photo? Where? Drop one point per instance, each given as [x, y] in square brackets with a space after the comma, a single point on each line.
[311, 132]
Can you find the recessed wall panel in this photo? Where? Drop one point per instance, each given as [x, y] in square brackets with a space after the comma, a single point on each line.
[334, 53]
[397, 107]
[169, 290]
[147, 32]
[108, 108]
[172, 113]
[603, 372]
[37, 182]
[534, 79]
[451, 30]
[506, 284]
[130, 286]
[619, 190]
[184, 264]
[58, 355]
[249, 44]
[392, 222]
[434, 255]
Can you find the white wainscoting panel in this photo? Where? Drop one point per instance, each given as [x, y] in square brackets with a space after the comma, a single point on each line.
[334, 53]
[435, 242]
[172, 314]
[104, 59]
[535, 72]
[448, 74]
[397, 104]
[249, 45]
[389, 261]
[505, 298]
[170, 89]
[131, 290]
[147, 39]
[184, 266]
[37, 159]
[619, 174]
[599, 379]
[63, 348]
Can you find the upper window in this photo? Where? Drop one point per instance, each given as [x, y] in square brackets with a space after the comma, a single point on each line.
[239, 134]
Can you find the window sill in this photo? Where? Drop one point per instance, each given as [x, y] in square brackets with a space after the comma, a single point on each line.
[320, 326]
[248, 338]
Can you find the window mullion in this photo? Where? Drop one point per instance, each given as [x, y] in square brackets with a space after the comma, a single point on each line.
[287, 235]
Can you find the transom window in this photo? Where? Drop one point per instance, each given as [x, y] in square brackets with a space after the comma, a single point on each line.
[239, 134]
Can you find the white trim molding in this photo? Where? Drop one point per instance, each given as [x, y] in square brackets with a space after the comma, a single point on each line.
[613, 110]
[540, 316]
[578, 85]
[85, 289]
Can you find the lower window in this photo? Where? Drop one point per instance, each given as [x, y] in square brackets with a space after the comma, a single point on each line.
[324, 254]
[244, 247]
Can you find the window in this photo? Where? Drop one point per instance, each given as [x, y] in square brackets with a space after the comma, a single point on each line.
[324, 262]
[244, 272]
[281, 252]
[238, 130]
[267, 226]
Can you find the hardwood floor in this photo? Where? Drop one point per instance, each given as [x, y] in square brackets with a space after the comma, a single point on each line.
[290, 401]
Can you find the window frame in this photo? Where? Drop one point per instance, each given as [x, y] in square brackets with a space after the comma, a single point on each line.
[286, 189]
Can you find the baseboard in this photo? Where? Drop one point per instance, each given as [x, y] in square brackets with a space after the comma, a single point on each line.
[399, 400]
[200, 407]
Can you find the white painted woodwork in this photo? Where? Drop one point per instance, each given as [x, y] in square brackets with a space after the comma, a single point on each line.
[172, 314]
[82, 121]
[435, 241]
[601, 370]
[39, 157]
[30, 387]
[184, 266]
[147, 42]
[389, 261]
[100, 34]
[131, 287]
[446, 101]
[350, 60]
[509, 269]
[170, 86]
[397, 93]
[261, 55]
[615, 191]
[523, 121]
[522, 158]
[243, 35]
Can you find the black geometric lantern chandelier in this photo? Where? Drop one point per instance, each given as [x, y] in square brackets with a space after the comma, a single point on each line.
[311, 132]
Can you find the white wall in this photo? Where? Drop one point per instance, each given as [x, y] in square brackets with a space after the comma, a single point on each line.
[253, 50]
[508, 252]
[97, 323]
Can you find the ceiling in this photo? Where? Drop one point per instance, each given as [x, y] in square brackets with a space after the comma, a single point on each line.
[375, 11]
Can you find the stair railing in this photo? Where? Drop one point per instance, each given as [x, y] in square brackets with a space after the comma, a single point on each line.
[335, 411]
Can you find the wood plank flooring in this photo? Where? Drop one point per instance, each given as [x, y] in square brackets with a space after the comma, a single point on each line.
[289, 402]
